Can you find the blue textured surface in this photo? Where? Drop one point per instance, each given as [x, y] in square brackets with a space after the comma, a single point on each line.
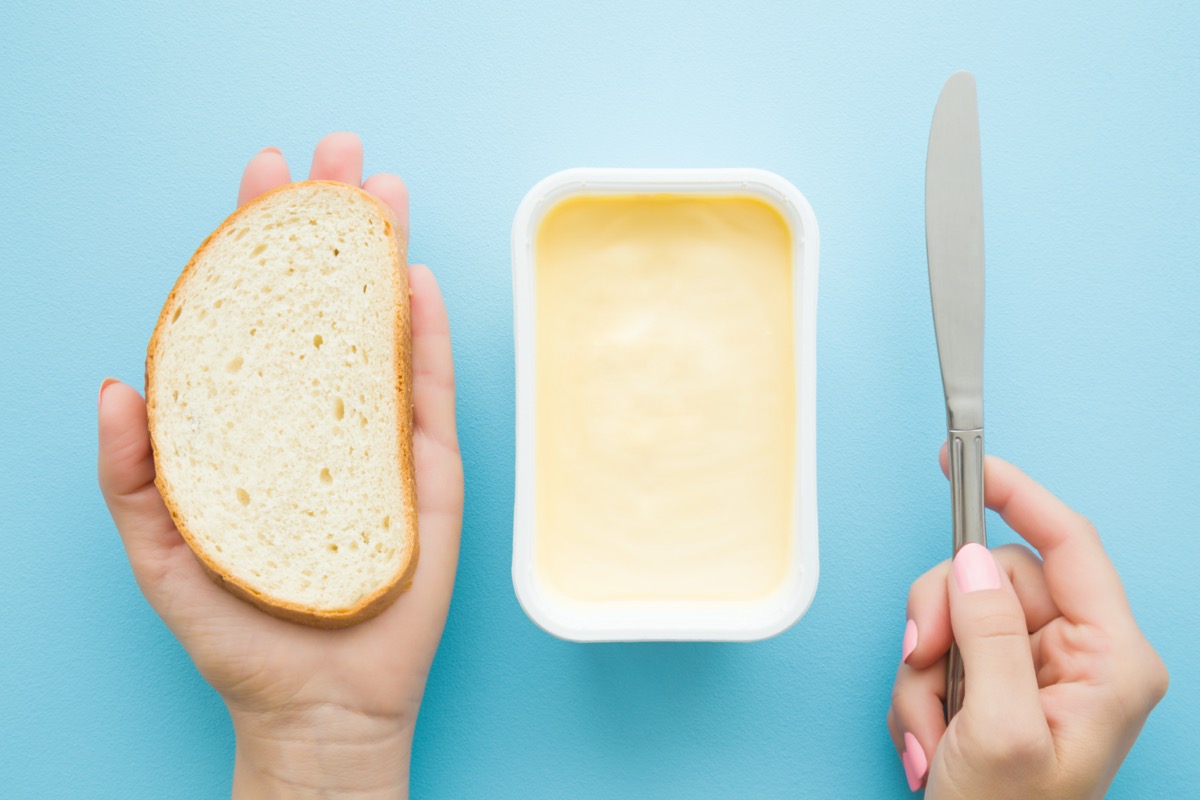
[123, 137]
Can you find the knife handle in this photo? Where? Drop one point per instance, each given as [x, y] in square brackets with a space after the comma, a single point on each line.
[966, 503]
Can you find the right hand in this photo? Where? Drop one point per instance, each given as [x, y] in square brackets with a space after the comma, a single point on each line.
[1059, 678]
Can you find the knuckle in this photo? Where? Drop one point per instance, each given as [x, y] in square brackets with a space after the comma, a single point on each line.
[1017, 559]
[905, 702]
[1016, 745]
[1016, 553]
[1011, 549]
[928, 585]
[897, 700]
[1087, 525]
[1143, 683]
[997, 624]
[1158, 679]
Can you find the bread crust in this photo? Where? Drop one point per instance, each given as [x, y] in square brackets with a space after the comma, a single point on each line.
[375, 603]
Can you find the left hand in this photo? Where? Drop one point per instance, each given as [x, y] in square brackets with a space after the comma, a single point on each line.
[313, 710]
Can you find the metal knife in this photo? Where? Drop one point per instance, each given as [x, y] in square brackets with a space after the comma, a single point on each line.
[954, 245]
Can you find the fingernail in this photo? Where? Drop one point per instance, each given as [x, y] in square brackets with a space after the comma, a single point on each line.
[270, 150]
[910, 641]
[975, 569]
[104, 385]
[915, 763]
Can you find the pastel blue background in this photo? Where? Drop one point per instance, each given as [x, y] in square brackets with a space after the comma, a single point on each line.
[123, 137]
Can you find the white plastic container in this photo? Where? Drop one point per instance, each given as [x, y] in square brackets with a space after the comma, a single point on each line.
[682, 618]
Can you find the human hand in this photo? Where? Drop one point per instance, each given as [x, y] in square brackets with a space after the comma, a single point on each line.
[1059, 678]
[313, 710]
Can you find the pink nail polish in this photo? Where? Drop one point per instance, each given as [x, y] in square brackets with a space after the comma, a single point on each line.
[975, 569]
[914, 761]
[104, 385]
[910, 641]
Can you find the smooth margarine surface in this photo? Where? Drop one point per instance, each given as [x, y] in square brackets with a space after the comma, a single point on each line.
[665, 405]
[275, 383]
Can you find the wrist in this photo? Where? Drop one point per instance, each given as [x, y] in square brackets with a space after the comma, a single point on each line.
[320, 750]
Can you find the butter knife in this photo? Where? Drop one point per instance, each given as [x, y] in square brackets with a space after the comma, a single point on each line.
[954, 246]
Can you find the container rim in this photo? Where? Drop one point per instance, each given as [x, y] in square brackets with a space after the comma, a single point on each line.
[574, 620]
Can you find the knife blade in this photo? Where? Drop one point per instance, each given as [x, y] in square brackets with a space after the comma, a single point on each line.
[954, 247]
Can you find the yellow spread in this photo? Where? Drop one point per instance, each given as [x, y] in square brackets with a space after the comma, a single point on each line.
[665, 406]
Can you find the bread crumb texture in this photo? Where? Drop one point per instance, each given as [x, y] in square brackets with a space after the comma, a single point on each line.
[275, 400]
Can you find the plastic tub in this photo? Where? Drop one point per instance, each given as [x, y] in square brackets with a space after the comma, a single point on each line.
[609, 573]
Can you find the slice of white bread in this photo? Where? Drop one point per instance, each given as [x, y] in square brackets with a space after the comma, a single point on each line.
[279, 395]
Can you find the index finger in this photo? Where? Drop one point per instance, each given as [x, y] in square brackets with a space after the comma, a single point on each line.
[1082, 580]
[266, 171]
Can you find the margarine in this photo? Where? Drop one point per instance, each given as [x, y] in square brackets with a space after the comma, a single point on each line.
[665, 406]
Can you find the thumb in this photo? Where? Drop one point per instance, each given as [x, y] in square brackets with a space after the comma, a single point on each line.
[1001, 689]
[126, 472]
